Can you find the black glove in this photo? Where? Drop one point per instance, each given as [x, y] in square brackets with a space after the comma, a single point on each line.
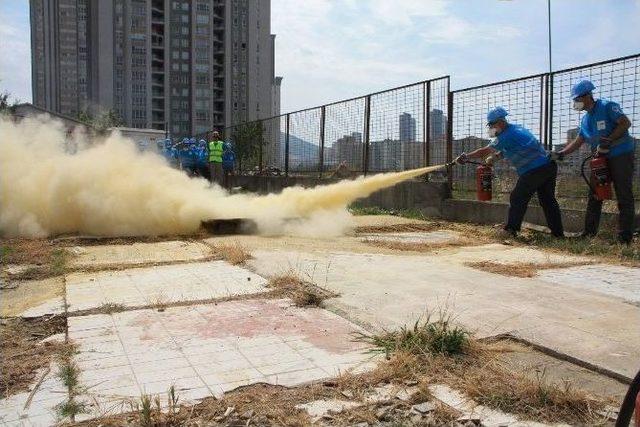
[462, 159]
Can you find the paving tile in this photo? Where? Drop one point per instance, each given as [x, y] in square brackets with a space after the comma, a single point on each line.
[615, 280]
[290, 379]
[412, 237]
[166, 284]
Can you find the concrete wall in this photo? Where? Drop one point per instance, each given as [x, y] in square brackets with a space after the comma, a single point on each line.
[433, 199]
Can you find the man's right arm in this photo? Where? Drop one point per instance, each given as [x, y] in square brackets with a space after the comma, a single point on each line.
[572, 146]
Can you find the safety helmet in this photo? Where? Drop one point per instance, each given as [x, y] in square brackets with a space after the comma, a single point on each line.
[495, 114]
[581, 88]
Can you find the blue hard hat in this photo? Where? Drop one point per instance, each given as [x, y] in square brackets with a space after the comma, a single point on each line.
[202, 142]
[495, 114]
[583, 87]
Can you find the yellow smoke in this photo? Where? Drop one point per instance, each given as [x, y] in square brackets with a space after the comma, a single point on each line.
[108, 188]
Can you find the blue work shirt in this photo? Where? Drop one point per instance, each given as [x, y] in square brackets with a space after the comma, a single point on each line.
[521, 148]
[228, 159]
[601, 121]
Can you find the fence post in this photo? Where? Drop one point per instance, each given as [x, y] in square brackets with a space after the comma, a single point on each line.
[543, 111]
[550, 95]
[367, 120]
[449, 136]
[426, 131]
[286, 148]
[321, 159]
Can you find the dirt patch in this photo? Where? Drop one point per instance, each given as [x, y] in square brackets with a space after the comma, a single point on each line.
[524, 269]
[18, 296]
[22, 355]
[401, 228]
[26, 251]
[421, 247]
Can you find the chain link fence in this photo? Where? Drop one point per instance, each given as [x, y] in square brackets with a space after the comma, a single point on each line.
[427, 124]
[542, 103]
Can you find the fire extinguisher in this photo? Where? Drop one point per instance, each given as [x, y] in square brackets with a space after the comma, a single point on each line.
[484, 177]
[600, 182]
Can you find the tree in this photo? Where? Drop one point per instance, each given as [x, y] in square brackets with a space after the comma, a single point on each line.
[102, 121]
[247, 139]
[7, 107]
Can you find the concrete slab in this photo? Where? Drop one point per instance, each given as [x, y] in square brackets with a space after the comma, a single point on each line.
[412, 237]
[206, 350]
[138, 253]
[160, 285]
[393, 290]
[615, 280]
[32, 298]
[41, 411]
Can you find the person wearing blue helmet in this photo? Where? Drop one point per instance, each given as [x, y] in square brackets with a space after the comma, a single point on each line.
[228, 162]
[536, 172]
[605, 127]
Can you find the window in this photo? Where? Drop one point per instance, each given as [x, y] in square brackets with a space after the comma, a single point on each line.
[202, 19]
[184, 18]
[185, 55]
[175, 66]
[184, 31]
[175, 54]
[185, 91]
[202, 7]
[185, 67]
[202, 115]
[202, 68]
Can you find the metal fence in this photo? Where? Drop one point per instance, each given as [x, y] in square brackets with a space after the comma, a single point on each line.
[542, 104]
[392, 130]
[427, 124]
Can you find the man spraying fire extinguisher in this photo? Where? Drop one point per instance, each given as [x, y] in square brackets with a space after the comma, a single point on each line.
[606, 129]
[536, 171]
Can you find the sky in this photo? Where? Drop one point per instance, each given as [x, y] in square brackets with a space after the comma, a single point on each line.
[328, 50]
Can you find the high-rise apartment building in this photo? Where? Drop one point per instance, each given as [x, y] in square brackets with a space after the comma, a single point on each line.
[407, 127]
[191, 65]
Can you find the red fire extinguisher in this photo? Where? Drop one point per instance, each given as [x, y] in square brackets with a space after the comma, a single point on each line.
[600, 183]
[484, 176]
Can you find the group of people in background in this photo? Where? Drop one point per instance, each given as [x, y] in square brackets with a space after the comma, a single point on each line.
[214, 160]
[603, 126]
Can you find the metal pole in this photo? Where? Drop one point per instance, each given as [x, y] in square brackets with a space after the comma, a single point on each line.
[543, 111]
[549, 28]
[321, 160]
[286, 148]
[367, 119]
[261, 143]
[426, 132]
[450, 137]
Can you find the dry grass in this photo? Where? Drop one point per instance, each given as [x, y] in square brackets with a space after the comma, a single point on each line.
[235, 254]
[47, 259]
[302, 293]
[520, 269]
[25, 251]
[22, 356]
[421, 247]
[400, 228]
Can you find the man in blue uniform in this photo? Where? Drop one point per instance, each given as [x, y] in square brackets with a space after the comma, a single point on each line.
[536, 172]
[606, 129]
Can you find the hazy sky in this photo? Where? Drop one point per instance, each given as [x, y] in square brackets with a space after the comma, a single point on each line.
[332, 49]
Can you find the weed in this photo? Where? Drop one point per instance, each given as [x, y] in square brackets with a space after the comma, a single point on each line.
[234, 254]
[111, 307]
[173, 399]
[367, 210]
[58, 263]
[424, 338]
[68, 374]
[303, 294]
[146, 410]
[70, 408]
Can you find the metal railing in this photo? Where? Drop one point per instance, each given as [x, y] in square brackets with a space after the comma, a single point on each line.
[391, 130]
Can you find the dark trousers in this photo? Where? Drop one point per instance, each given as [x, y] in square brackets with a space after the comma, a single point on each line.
[540, 180]
[215, 169]
[621, 170]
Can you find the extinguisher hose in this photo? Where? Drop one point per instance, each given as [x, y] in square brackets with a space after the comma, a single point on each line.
[584, 176]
